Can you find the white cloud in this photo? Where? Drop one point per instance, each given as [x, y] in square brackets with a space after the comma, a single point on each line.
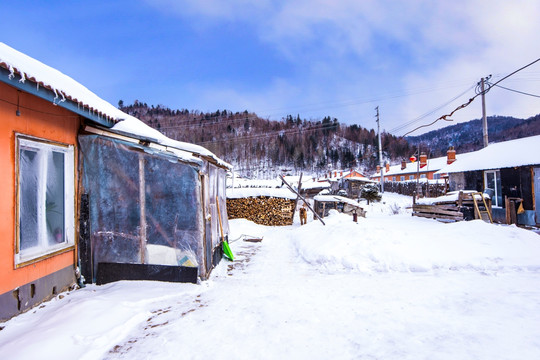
[357, 50]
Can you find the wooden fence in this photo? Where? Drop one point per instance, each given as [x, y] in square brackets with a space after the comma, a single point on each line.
[409, 188]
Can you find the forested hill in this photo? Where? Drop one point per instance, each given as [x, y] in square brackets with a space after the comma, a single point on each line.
[261, 147]
[468, 136]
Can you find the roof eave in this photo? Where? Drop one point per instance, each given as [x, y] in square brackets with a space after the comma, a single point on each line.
[46, 94]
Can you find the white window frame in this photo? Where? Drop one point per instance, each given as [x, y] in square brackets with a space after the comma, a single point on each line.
[43, 249]
[402, 178]
[411, 177]
[497, 178]
[423, 176]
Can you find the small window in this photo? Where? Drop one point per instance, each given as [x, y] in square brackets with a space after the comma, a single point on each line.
[422, 176]
[436, 176]
[402, 178]
[45, 208]
[393, 178]
[411, 177]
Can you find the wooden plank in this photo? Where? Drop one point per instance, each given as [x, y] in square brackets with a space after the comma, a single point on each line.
[446, 217]
[442, 212]
[440, 207]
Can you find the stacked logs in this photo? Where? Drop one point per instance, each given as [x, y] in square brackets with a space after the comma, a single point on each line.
[262, 210]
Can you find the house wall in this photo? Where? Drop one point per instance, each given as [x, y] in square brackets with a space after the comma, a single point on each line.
[24, 286]
[473, 180]
[429, 176]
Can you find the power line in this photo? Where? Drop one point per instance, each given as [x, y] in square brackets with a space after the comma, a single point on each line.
[407, 124]
[516, 91]
[445, 117]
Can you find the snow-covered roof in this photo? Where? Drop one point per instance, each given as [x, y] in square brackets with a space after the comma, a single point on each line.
[253, 183]
[240, 193]
[450, 197]
[336, 198]
[434, 164]
[67, 88]
[519, 152]
[62, 85]
[315, 184]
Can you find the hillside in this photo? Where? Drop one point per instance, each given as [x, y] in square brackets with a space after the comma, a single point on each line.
[468, 136]
[260, 147]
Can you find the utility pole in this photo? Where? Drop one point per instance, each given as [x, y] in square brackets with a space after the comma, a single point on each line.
[484, 116]
[380, 151]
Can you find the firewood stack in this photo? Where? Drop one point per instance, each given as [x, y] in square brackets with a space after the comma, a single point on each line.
[262, 210]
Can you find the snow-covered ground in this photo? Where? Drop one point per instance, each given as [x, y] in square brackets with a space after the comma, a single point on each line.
[388, 287]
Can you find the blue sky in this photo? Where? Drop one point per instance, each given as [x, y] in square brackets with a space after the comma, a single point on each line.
[310, 57]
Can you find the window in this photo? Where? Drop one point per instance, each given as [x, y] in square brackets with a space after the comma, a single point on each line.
[492, 183]
[411, 177]
[393, 178]
[45, 206]
[422, 176]
[436, 176]
[402, 178]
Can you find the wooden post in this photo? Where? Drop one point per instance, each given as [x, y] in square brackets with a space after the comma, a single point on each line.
[296, 200]
[142, 204]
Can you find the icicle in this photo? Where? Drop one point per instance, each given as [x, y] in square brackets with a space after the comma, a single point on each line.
[11, 72]
[23, 77]
[55, 97]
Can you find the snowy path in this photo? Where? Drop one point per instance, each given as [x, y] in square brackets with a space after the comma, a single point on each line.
[273, 306]
[390, 287]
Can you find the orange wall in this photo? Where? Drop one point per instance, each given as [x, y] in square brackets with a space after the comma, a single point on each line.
[46, 121]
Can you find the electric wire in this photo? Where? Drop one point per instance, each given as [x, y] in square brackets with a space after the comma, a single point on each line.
[517, 91]
[464, 105]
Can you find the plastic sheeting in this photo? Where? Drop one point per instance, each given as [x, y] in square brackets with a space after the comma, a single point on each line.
[146, 206]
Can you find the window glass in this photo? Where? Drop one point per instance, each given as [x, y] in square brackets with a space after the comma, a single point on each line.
[28, 198]
[54, 204]
[45, 219]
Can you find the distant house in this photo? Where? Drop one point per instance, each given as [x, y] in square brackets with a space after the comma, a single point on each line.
[87, 183]
[423, 169]
[509, 169]
[352, 182]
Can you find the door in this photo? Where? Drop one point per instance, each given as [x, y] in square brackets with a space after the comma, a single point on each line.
[536, 182]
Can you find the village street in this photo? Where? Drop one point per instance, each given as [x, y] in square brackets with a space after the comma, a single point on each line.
[315, 292]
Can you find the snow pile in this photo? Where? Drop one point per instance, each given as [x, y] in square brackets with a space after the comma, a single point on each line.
[391, 204]
[415, 245]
